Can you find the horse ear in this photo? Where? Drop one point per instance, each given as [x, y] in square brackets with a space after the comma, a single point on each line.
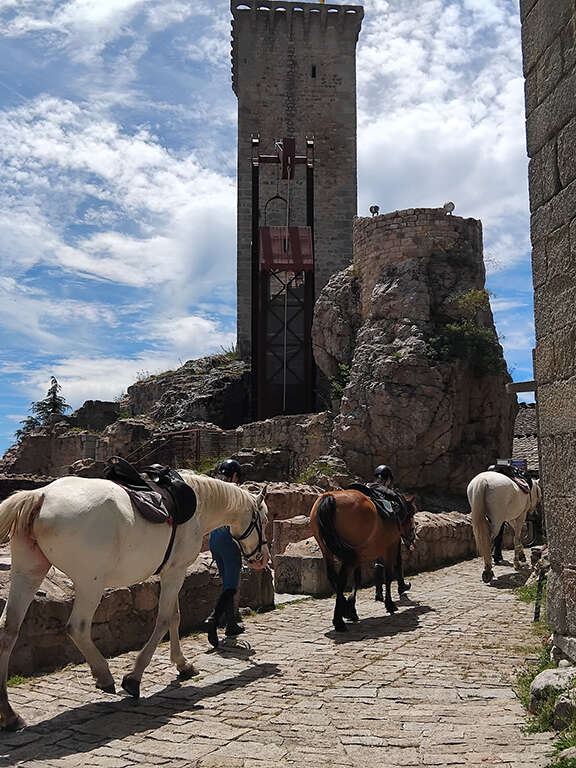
[410, 497]
[261, 496]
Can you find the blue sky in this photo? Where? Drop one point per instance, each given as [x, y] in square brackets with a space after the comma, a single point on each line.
[117, 175]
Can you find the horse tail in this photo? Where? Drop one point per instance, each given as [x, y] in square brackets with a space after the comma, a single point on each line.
[479, 517]
[328, 533]
[18, 512]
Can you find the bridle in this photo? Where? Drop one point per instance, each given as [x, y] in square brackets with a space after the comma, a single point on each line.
[254, 524]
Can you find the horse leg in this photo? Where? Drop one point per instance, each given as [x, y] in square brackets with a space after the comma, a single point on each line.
[186, 669]
[340, 605]
[403, 586]
[388, 602]
[378, 580]
[79, 627]
[350, 611]
[519, 556]
[171, 580]
[28, 566]
[498, 545]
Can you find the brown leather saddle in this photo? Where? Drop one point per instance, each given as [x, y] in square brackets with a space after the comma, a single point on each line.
[158, 493]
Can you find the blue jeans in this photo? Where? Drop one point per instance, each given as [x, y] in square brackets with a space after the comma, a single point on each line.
[228, 558]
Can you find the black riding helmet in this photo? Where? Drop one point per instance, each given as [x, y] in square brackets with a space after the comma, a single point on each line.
[383, 473]
[228, 468]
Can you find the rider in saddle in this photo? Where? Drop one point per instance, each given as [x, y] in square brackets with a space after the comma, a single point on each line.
[384, 488]
[226, 553]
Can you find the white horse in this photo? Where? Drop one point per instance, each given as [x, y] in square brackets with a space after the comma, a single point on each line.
[89, 529]
[496, 499]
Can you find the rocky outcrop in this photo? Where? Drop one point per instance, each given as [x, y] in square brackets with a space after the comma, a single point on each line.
[214, 389]
[408, 334]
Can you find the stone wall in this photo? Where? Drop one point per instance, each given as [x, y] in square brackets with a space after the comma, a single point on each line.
[442, 538]
[125, 618]
[294, 72]
[549, 47]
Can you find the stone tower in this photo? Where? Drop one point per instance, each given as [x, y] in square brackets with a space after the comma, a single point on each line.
[294, 73]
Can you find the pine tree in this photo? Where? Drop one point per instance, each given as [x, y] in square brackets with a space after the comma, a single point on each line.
[52, 405]
[29, 424]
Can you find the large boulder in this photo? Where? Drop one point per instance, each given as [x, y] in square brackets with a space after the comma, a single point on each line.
[213, 389]
[407, 333]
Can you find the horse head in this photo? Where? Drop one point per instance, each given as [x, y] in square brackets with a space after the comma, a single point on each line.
[407, 522]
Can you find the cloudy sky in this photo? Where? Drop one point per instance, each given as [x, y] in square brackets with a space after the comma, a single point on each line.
[117, 175]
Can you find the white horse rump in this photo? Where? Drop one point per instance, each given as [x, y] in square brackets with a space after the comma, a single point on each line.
[89, 529]
[496, 499]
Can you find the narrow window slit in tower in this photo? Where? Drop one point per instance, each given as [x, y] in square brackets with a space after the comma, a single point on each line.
[313, 70]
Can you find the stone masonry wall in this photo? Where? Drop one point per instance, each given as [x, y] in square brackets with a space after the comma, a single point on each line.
[294, 72]
[549, 48]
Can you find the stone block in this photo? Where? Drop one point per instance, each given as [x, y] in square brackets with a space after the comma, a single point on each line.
[551, 681]
[286, 532]
[555, 603]
[525, 7]
[561, 529]
[560, 457]
[543, 174]
[569, 585]
[557, 407]
[553, 306]
[549, 69]
[566, 155]
[568, 38]
[541, 25]
[560, 263]
[549, 117]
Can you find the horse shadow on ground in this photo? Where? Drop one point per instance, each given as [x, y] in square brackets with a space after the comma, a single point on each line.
[94, 725]
[510, 580]
[382, 626]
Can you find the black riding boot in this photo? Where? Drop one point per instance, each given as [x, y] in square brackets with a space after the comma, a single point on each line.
[232, 626]
[212, 622]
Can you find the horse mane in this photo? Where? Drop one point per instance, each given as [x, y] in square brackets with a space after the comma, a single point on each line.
[227, 496]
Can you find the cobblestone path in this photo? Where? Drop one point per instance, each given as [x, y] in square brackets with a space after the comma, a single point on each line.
[429, 686]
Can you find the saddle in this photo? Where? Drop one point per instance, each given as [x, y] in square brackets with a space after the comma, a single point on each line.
[389, 504]
[522, 480]
[158, 493]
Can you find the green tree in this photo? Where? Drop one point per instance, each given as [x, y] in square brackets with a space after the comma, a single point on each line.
[52, 405]
[28, 424]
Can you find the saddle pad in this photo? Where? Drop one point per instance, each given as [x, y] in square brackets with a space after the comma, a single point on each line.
[522, 484]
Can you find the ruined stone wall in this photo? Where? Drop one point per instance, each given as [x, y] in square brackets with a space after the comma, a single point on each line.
[294, 72]
[549, 47]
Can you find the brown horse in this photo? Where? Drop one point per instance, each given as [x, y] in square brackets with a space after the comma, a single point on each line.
[347, 526]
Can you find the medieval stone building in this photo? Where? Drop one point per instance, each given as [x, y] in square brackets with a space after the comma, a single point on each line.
[549, 46]
[294, 73]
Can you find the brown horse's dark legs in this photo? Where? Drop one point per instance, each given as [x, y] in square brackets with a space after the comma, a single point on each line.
[403, 586]
[388, 602]
[378, 580]
[340, 605]
[351, 602]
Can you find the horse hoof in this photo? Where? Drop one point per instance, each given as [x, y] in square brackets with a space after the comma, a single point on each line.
[188, 672]
[379, 597]
[487, 576]
[131, 686]
[13, 723]
[341, 627]
[522, 557]
[111, 688]
[406, 587]
[391, 608]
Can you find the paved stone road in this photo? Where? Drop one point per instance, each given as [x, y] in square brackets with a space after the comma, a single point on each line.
[429, 686]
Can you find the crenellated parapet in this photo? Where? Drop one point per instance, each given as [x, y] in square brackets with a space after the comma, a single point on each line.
[296, 20]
